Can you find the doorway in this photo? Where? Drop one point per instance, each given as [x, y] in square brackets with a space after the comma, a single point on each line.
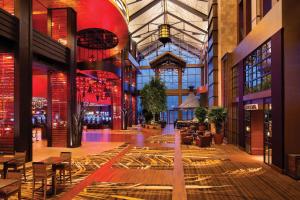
[258, 129]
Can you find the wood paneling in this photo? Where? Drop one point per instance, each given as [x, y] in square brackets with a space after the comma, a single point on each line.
[291, 71]
[46, 47]
[259, 34]
[8, 26]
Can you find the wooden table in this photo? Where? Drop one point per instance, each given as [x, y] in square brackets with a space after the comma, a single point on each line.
[7, 182]
[54, 161]
[4, 160]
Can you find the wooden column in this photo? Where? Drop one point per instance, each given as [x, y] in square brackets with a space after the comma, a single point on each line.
[71, 44]
[23, 79]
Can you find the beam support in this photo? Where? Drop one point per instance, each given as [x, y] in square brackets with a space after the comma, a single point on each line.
[152, 20]
[190, 9]
[143, 10]
[188, 23]
[190, 36]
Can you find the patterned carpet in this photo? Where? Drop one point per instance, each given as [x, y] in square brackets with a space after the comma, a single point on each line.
[162, 139]
[81, 168]
[129, 191]
[147, 158]
[209, 174]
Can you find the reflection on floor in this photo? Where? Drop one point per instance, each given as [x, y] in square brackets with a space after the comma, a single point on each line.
[81, 168]
[164, 169]
[113, 191]
[147, 158]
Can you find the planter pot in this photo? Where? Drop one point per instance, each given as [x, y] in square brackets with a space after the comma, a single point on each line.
[218, 138]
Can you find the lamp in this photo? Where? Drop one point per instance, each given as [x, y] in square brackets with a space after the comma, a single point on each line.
[164, 33]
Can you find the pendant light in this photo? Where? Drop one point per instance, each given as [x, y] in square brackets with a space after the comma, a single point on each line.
[164, 29]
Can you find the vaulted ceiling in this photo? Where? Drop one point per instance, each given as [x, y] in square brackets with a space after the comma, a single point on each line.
[188, 20]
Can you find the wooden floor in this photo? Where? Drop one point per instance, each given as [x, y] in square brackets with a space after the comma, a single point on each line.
[156, 166]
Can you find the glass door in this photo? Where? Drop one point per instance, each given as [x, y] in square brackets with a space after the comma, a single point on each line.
[247, 122]
[268, 133]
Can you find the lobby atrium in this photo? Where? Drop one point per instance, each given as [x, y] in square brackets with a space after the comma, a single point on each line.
[149, 99]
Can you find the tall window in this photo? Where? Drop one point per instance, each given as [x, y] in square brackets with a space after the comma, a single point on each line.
[234, 82]
[171, 115]
[170, 78]
[257, 69]
[187, 114]
[191, 77]
[144, 78]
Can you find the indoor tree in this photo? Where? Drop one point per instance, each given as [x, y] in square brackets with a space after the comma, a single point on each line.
[153, 96]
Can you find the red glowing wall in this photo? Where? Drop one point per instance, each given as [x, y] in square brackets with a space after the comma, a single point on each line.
[117, 106]
[8, 6]
[6, 102]
[39, 17]
[39, 86]
[58, 87]
[59, 25]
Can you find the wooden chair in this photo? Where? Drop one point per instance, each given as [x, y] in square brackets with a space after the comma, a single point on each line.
[66, 166]
[13, 189]
[18, 164]
[41, 174]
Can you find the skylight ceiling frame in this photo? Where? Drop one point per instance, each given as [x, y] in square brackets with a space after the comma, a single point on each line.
[143, 10]
[177, 42]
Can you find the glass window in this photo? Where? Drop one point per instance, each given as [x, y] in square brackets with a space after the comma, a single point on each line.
[191, 77]
[257, 70]
[170, 78]
[144, 78]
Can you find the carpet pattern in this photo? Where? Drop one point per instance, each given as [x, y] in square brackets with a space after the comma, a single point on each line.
[147, 158]
[130, 191]
[161, 139]
[81, 168]
[209, 174]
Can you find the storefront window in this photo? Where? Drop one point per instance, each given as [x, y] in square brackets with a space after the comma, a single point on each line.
[257, 70]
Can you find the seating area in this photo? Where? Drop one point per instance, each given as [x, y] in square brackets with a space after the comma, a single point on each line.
[191, 136]
[54, 172]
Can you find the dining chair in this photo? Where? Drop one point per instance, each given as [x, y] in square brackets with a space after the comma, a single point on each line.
[12, 189]
[41, 173]
[65, 166]
[18, 164]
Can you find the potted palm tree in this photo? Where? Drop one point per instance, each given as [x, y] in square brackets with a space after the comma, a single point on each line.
[217, 116]
[201, 115]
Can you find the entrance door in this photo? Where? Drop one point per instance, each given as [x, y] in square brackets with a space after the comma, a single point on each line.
[247, 122]
[268, 133]
[172, 116]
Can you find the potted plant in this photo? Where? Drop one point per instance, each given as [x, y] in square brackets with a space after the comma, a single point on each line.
[217, 116]
[201, 115]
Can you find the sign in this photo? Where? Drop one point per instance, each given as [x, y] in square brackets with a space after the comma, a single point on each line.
[251, 107]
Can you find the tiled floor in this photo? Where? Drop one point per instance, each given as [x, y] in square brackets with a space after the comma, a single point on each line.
[155, 165]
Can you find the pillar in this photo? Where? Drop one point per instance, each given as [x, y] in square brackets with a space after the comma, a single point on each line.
[23, 79]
